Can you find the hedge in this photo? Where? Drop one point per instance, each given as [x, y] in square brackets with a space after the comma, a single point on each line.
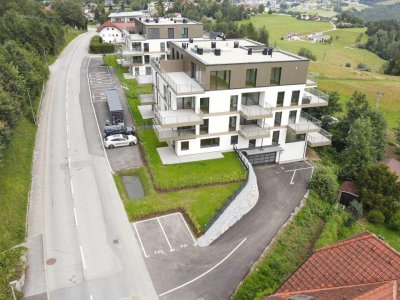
[98, 47]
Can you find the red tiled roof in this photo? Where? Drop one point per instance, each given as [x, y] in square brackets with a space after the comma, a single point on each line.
[119, 26]
[349, 187]
[371, 291]
[361, 259]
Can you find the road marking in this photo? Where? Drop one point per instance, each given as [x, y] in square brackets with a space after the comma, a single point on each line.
[91, 297]
[164, 216]
[187, 227]
[299, 169]
[205, 273]
[69, 162]
[294, 173]
[76, 219]
[72, 187]
[312, 171]
[162, 228]
[83, 258]
[140, 240]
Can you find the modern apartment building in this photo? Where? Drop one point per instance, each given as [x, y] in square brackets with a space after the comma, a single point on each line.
[150, 40]
[217, 95]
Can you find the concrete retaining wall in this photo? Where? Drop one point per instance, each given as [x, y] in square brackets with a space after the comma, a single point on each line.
[241, 205]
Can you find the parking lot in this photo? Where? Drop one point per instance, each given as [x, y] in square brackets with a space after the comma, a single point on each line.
[164, 235]
[100, 79]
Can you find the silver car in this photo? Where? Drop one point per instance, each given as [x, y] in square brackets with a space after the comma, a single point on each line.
[119, 140]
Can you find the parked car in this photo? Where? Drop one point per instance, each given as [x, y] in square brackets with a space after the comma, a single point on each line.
[119, 128]
[119, 140]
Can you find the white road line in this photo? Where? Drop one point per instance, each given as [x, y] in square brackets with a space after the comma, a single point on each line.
[205, 273]
[187, 227]
[140, 240]
[91, 297]
[83, 258]
[69, 162]
[164, 216]
[162, 228]
[294, 173]
[299, 169]
[312, 171]
[68, 144]
[76, 218]
[72, 187]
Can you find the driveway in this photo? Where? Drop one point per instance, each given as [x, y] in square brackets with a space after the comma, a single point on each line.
[214, 272]
[101, 78]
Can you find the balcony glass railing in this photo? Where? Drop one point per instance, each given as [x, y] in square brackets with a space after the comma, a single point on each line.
[253, 131]
[314, 97]
[320, 138]
[306, 123]
[182, 116]
[255, 111]
[174, 134]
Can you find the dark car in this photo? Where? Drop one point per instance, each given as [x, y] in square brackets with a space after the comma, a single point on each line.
[118, 129]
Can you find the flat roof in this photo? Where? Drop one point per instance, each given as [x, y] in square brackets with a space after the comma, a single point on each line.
[126, 14]
[113, 100]
[232, 55]
[165, 21]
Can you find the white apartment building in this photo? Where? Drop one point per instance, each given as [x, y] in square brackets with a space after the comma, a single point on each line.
[125, 16]
[150, 40]
[217, 95]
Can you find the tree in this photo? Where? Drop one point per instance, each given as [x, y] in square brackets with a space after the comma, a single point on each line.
[307, 53]
[326, 112]
[263, 35]
[160, 8]
[392, 67]
[324, 182]
[379, 190]
[70, 13]
[251, 32]
[261, 8]
[356, 211]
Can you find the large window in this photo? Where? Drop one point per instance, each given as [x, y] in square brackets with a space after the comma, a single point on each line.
[275, 76]
[147, 59]
[292, 116]
[232, 123]
[185, 103]
[213, 142]
[250, 98]
[275, 137]
[185, 32]
[162, 47]
[204, 126]
[295, 98]
[278, 118]
[251, 77]
[280, 99]
[148, 70]
[234, 139]
[146, 47]
[291, 137]
[234, 103]
[136, 46]
[220, 80]
[171, 33]
[204, 104]
[185, 145]
[137, 59]
[153, 33]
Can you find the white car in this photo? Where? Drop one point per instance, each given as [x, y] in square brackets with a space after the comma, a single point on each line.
[119, 140]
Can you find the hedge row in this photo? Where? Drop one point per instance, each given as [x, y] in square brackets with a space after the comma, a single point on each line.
[98, 47]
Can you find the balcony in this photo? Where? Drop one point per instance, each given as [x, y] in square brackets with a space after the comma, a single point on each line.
[167, 134]
[179, 81]
[314, 98]
[254, 112]
[310, 83]
[143, 79]
[253, 131]
[306, 124]
[178, 118]
[317, 139]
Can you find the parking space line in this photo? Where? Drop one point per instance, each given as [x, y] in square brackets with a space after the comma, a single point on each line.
[205, 273]
[308, 163]
[187, 227]
[160, 217]
[140, 240]
[294, 173]
[294, 170]
[162, 228]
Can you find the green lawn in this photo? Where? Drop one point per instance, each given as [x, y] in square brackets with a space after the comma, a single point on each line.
[199, 203]
[207, 172]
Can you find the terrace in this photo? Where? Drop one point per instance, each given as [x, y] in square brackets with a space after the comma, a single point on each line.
[253, 131]
[314, 98]
[168, 134]
[253, 112]
[321, 138]
[178, 118]
[307, 123]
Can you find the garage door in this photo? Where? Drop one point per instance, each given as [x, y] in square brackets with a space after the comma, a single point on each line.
[262, 158]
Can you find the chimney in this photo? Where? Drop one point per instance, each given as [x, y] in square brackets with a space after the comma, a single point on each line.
[213, 45]
[217, 52]
[265, 51]
[270, 51]
[200, 51]
[250, 51]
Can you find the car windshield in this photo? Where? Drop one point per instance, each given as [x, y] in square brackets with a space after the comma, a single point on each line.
[125, 136]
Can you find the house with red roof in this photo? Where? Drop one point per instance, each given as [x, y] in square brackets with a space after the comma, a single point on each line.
[361, 267]
[112, 32]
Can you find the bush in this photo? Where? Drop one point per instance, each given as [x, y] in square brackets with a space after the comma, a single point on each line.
[348, 65]
[98, 47]
[376, 216]
[332, 228]
[394, 222]
[356, 211]
[307, 53]
[324, 183]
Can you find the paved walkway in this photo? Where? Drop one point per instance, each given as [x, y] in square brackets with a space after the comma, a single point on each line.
[169, 157]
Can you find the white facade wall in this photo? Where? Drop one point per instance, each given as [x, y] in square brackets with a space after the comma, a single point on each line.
[111, 35]
[293, 151]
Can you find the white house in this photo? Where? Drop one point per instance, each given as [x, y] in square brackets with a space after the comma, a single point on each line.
[125, 17]
[111, 32]
[212, 96]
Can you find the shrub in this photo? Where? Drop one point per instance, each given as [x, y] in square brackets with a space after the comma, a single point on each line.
[324, 183]
[376, 216]
[307, 53]
[394, 221]
[363, 67]
[98, 47]
[348, 65]
[355, 209]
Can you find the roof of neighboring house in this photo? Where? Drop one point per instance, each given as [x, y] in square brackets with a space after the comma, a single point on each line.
[122, 14]
[354, 264]
[394, 166]
[120, 26]
[349, 187]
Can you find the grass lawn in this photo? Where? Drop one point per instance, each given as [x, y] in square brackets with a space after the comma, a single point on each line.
[207, 172]
[199, 203]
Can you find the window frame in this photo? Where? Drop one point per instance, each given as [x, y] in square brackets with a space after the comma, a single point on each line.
[186, 148]
[214, 139]
[273, 80]
[251, 77]
[215, 84]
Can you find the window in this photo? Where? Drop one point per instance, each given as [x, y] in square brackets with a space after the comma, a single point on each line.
[171, 33]
[278, 118]
[204, 104]
[153, 33]
[146, 47]
[232, 123]
[162, 47]
[185, 145]
[234, 139]
[280, 99]
[252, 143]
[251, 77]
[185, 32]
[295, 98]
[275, 137]
[213, 142]
[292, 116]
[275, 76]
[250, 98]
[137, 59]
[220, 80]
[162, 56]
[184, 103]
[147, 59]
[244, 121]
[292, 137]
[148, 70]
[234, 103]
[204, 126]
[137, 70]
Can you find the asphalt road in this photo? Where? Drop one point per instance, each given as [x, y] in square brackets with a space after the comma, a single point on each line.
[182, 270]
[90, 251]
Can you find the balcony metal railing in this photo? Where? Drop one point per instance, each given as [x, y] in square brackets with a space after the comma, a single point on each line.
[181, 88]
[313, 97]
[176, 117]
[252, 112]
[253, 131]
[307, 123]
[320, 138]
[173, 134]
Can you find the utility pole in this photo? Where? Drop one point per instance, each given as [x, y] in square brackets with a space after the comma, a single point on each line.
[378, 98]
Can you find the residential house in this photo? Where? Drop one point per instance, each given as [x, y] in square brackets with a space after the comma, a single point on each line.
[125, 17]
[112, 32]
[212, 96]
[318, 38]
[150, 40]
[361, 267]
[304, 16]
[291, 36]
